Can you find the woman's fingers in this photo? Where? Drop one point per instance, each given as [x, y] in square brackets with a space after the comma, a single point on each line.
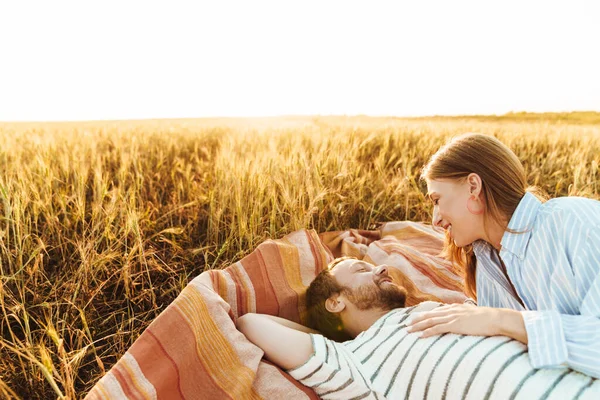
[417, 317]
[429, 322]
[436, 330]
[442, 310]
[460, 319]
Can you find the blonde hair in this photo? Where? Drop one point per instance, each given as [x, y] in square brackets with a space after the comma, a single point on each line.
[503, 183]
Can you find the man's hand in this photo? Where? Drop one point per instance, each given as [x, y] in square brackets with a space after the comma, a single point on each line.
[469, 320]
[286, 347]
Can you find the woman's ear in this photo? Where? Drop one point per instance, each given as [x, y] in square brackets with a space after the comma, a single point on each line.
[475, 184]
[335, 303]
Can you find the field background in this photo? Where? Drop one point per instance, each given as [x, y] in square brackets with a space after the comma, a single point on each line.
[103, 223]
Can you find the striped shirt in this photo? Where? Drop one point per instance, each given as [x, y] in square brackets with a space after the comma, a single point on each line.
[554, 267]
[385, 361]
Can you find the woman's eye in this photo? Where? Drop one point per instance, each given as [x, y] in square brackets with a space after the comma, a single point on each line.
[435, 202]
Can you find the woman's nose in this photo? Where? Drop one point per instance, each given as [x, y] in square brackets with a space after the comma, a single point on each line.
[436, 220]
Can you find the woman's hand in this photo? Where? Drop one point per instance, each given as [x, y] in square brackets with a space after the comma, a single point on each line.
[469, 320]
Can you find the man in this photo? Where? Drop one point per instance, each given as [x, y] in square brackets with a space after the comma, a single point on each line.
[381, 359]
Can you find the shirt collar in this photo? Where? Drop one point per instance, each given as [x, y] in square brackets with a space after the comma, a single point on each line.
[521, 221]
[480, 247]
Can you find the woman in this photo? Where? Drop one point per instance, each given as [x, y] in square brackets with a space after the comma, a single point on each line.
[533, 266]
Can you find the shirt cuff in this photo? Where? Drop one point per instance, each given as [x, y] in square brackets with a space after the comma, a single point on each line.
[546, 339]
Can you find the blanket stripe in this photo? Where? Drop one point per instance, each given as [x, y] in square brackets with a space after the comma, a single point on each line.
[217, 353]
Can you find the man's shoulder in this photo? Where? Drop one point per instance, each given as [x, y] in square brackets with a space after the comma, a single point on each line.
[401, 315]
[427, 306]
[393, 319]
[421, 307]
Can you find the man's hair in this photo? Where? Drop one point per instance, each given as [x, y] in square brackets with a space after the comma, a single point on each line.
[321, 288]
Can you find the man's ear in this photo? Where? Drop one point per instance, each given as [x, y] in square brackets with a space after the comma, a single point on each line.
[335, 303]
[475, 184]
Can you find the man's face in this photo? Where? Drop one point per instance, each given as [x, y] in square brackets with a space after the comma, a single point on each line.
[368, 286]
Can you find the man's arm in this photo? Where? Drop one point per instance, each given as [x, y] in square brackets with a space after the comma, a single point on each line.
[290, 324]
[306, 359]
[283, 345]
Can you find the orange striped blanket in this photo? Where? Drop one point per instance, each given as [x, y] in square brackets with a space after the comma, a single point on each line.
[192, 350]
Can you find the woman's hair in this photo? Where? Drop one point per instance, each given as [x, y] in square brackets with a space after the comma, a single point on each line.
[321, 288]
[503, 185]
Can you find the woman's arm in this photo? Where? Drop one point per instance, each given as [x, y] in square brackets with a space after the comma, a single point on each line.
[553, 339]
[285, 346]
[468, 320]
[556, 339]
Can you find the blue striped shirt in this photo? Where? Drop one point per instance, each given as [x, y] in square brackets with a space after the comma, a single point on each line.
[554, 267]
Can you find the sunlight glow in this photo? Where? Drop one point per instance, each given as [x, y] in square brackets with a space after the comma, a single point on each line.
[74, 60]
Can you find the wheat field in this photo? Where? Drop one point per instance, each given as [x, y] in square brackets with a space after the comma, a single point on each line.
[102, 224]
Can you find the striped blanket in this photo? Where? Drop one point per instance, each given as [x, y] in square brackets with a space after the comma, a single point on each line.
[386, 362]
[192, 350]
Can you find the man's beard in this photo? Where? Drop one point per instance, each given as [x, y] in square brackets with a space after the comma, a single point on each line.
[385, 296]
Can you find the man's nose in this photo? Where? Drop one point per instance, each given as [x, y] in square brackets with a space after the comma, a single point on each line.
[381, 270]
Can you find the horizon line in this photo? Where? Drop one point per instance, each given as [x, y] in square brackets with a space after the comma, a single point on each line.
[509, 113]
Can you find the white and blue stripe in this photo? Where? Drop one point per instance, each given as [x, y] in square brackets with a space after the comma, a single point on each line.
[387, 362]
[554, 265]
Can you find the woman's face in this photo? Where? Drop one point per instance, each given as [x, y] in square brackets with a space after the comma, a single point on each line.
[450, 212]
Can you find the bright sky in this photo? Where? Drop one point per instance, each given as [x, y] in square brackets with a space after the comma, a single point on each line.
[80, 60]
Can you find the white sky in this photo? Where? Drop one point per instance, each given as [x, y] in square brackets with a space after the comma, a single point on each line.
[78, 60]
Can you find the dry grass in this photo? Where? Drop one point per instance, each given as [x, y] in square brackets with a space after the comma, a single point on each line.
[102, 224]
